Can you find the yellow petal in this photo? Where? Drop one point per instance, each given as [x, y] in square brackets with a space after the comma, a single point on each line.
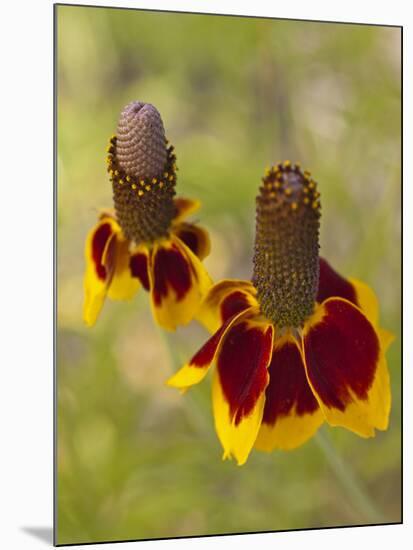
[224, 299]
[367, 300]
[289, 432]
[124, 285]
[364, 416]
[178, 283]
[194, 371]
[107, 213]
[291, 414]
[195, 237]
[334, 285]
[237, 440]
[185, 207]
[239, 383]
[346, 368]
[386, 338]
[99, 257]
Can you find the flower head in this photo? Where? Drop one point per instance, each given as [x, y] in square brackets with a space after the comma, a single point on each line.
[144, 241]
[299, 345]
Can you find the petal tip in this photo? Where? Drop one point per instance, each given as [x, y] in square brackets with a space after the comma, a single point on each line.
[226, 455]
[89, 316]
[185, 377]
[386, 338]
[173, 381]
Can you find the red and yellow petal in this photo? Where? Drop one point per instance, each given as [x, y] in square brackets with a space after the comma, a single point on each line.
[386, 338]
[124, 283]
[139, 265]
[332, 284]
[194, 371]
[178, 283]
[346, 367]
[224, 300]
[291, 413]
[196, 238]
[100, 256]
[107, 213]
[185, 207]
[366, 300]
[238, 388]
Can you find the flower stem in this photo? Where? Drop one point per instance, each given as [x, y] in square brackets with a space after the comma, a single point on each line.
[359, 498]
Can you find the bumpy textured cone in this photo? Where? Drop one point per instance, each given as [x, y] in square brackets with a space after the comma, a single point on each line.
[286, 266]
[143, 173]
[140, 146]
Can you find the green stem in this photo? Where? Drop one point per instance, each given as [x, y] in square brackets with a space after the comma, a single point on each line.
[359, 498]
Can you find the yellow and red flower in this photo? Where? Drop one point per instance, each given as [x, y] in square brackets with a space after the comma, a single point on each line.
[297, 346]
[144, 241]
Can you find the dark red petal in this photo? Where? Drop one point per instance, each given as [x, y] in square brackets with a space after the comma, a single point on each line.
[332, 284]
[341, 354]
[190, 238]
[99, 241]
[288, 387]
[234, 303]
[171, 268]
[139, 268]
[242, 366]
[205, 355]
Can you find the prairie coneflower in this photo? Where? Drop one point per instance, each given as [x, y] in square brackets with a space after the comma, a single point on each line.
[297, 346]
[144, 241]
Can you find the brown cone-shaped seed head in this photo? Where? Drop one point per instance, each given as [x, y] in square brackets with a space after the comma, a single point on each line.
[286, 265]
[140, 146]
[143, 173]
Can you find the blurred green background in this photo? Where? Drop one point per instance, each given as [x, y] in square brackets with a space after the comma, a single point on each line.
[135, 458]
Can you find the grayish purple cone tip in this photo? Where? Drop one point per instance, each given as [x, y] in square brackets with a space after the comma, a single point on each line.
[141, 143]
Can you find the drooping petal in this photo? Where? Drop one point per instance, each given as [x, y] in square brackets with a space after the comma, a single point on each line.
[124, 283]
[194, 371]
[185, 207]
[223, 300]
[107, 213]
[178, 283]
[366, 299]
[386, 338]
[291, 414]
[238, 389]
[346, 367]
[100, 256]
[138, 263]
[332, 284]
[196, 238]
